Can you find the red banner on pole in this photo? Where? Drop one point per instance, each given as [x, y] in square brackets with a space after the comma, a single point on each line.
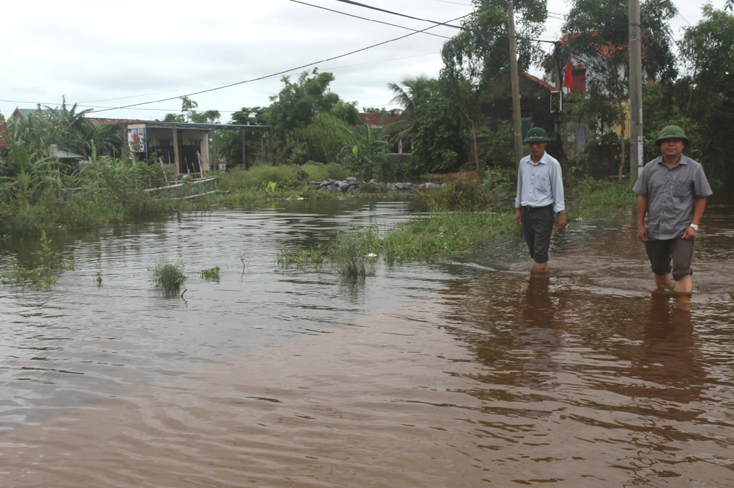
[568, 78]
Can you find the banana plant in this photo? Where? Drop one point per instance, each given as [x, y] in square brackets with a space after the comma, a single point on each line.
[369, 151]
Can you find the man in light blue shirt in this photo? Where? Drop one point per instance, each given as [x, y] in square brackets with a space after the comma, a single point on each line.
[539, 197]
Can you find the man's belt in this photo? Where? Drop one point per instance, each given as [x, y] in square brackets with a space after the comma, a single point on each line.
[533, 209]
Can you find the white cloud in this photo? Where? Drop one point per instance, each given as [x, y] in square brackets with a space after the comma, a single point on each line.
[136, 51]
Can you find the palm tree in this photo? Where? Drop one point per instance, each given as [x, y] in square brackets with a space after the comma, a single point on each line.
[417, 90]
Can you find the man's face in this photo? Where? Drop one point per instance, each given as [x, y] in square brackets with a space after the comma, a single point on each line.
[537, 149]
[672, 148]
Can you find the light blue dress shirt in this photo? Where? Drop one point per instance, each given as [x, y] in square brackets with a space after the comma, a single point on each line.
[540, 184]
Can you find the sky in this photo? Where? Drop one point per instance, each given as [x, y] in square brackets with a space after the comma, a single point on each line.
[107, 53]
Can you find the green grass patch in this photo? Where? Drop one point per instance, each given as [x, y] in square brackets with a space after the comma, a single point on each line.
[168, 276]
[210, 274]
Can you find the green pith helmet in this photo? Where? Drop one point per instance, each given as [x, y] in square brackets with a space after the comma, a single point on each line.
[672, 132]
[536, 134]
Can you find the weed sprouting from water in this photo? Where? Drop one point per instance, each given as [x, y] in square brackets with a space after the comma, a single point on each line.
[301, 258]
[352, 256]
[45, 273]
[168, 276]
[210, 274]
[98, 278]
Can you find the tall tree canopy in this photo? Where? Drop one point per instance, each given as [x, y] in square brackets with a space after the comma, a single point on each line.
[708, 50]
[298, 103]
[596, 34]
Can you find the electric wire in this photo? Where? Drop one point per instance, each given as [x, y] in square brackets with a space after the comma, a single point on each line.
[446, 24]
[280, 72]
[365, 18]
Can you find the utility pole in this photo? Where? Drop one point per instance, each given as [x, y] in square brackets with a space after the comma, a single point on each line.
[636, 147]
[516, 115]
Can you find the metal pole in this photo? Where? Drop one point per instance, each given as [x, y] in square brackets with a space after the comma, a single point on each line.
[515, 79]
[635, 55]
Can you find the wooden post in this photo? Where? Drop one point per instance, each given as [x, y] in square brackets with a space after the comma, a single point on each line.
[244, 150]
[515, 80]
[215, 158]
[176, 162]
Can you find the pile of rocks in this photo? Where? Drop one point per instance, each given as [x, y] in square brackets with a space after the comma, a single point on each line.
[352, 183]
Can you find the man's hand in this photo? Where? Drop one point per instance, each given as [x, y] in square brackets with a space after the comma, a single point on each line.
[561, 222]
[690, 233]
[518, 215]
[642, 233]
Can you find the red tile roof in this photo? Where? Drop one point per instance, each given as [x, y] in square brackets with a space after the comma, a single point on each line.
[540, 82]
[374, 119]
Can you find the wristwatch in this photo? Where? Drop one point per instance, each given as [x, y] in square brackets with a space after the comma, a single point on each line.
[695, 227]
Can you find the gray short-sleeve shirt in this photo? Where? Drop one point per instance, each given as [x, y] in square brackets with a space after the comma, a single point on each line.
[671, 195]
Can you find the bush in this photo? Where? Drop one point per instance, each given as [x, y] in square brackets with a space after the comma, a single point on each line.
[168, 276]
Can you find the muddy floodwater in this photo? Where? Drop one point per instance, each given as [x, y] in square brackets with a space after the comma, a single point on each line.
[465, 372]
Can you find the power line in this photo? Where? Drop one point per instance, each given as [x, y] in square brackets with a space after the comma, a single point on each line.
[365, 18]
[280, 72]
[463, 28]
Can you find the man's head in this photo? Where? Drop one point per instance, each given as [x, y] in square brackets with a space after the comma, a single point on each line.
[536, 140]
[672, 140]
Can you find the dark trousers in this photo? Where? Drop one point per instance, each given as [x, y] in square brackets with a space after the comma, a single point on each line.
[661, 252]
[537, 225]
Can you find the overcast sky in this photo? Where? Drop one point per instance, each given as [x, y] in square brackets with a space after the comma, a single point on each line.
[109, 53]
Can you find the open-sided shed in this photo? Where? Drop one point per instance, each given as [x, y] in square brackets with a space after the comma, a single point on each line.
[183, 145]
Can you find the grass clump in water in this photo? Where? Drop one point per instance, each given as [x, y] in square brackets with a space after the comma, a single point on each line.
[45, 272]
[168, 276]
[210, 274]
[311, 256]
[351, 255]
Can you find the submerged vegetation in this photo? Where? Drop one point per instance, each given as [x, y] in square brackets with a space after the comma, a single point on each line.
[44, 272]
[210, 274]
[168, 276]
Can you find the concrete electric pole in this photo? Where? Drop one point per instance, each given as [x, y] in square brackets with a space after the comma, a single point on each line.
[516, 114]
[635, 55]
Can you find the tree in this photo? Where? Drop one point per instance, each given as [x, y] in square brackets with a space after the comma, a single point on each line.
[478, 56]
[597, 34]
[294, 108]
[415, 92]
[439, 136]
[189, 113]
[708, 50]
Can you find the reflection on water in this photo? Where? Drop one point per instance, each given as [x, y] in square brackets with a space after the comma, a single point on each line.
[431, 375]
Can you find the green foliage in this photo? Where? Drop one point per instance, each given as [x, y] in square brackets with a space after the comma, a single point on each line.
[189, 113]
[497, 146]
[311, 256]
[464, 195]
[367, 152]
[45, 272]
[294, 108]
[168, 276]
[482, 57]
[325, 137]
[439, 144]
[350, 255]
[210, 274]
[708, 49]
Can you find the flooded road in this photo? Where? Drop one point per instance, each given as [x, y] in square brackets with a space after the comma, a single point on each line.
[458, 374]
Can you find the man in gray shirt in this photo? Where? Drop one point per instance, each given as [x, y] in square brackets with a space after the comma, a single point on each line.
[539, 196]
[672, 191]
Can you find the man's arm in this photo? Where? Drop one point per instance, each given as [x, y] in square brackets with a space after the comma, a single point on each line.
[698, 208]
[518, 198]
[641, 211]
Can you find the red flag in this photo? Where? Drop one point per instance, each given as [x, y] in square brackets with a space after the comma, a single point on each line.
[568, 78]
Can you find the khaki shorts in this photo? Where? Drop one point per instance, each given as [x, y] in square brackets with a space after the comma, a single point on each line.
[679, 250]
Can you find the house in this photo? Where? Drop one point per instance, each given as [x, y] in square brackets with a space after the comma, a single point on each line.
[535, 102]
[186, 147]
